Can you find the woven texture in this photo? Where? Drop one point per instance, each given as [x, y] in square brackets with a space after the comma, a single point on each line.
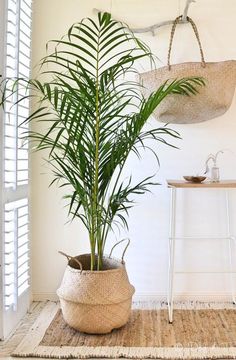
[150, 328]
[212, 101]
[96, 301]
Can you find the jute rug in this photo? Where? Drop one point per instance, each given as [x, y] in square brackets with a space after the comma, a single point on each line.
[195, 334]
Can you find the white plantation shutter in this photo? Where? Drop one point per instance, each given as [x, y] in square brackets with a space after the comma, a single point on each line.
[15, 219]
[17, 65]
[16, 251]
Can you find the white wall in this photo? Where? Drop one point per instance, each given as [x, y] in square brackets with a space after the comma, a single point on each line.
[199, 211]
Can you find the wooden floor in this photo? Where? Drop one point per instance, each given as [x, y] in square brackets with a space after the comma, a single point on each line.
[7, 346]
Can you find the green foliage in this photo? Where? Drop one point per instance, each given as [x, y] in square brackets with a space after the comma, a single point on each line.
[95, 118]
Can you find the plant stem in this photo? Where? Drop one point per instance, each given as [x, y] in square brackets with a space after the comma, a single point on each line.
[95, 222]
[106, 226]
[93, 259]
[100, 256]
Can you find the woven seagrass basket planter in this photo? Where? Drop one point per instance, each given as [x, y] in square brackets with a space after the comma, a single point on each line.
[95, 302]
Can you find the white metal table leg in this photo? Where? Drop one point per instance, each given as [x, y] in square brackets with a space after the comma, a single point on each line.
[171, 253]
[230, 239]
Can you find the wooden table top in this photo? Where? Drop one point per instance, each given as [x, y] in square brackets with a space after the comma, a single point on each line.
[204, 184]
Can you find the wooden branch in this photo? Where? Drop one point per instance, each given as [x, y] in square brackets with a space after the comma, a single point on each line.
[152, 28]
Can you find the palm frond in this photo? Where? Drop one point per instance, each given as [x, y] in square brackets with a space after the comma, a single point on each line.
[94, 119]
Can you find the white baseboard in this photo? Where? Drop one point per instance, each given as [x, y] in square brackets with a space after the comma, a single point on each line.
[148, 296]
[44, 296]
[186, 296]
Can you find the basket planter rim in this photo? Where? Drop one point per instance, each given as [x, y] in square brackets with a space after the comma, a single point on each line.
[122, 263]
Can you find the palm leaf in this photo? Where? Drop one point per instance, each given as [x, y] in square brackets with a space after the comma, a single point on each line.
[94, 119]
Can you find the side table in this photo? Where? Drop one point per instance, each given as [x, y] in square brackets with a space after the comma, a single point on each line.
[174, 185]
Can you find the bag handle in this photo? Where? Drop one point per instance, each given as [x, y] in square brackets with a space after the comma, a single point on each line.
[74, 258]
[176, 21]
[123, 254]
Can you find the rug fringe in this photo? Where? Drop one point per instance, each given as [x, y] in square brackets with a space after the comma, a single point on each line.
[183, 305]
[131, 353]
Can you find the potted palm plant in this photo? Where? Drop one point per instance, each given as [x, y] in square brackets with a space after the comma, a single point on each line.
[95, 115]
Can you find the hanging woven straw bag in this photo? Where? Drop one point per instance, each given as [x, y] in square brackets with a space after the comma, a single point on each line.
[212, 101]
[95, 302]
